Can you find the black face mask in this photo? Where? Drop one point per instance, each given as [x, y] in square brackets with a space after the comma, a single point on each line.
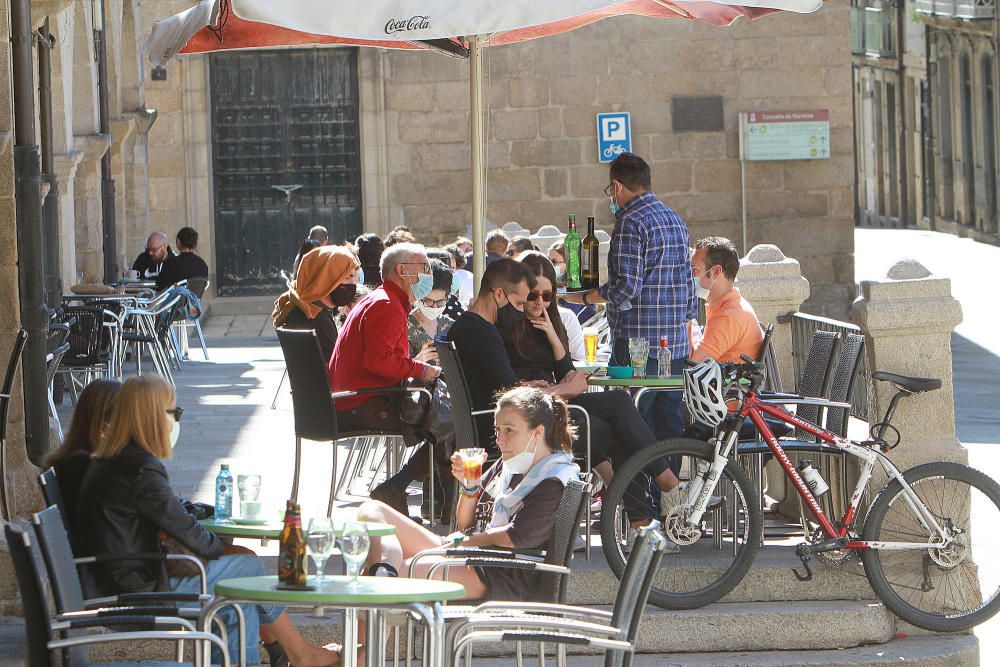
[508, 316]
[343, 294]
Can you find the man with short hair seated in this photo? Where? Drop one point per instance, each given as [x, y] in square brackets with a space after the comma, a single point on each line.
[731, 326]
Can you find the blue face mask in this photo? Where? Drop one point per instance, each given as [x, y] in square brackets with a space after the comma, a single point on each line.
[455, 283]
[613, 206]
[423, 286]
[361, 276]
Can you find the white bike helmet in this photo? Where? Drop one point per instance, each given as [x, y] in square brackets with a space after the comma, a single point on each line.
[703, 393]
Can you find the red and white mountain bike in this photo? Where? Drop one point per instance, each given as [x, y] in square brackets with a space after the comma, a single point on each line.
[920, 552]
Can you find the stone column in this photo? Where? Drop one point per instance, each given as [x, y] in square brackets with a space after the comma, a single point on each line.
[122, 137]
[908, 318]
[87, 202]
[65, 166]
[774, 286]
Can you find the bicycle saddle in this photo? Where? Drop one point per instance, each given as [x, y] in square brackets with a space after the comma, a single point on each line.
[910, 384]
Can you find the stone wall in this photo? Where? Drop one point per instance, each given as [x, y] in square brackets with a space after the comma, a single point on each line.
[544, 96]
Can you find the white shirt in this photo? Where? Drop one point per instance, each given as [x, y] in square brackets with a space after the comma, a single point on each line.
[574, 332]
[465, 287]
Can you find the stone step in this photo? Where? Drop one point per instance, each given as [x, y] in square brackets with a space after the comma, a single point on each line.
[769, 579]
[938, 651]
[739, 626]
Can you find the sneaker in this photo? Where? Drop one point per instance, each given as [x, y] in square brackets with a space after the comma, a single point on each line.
[670, 547]
[598, 502]
[673, 497]
[393, 496]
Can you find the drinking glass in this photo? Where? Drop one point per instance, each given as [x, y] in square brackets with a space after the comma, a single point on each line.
[249, 488]
[320, 540]
[354, 545]
[638, 349]
[590, 343]
[472, 464]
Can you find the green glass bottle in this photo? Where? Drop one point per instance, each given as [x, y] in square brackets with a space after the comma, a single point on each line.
[572, 244]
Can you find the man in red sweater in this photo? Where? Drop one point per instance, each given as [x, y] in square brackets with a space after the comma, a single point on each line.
[373, 350]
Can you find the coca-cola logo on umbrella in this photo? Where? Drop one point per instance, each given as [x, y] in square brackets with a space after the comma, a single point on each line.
[412, 23]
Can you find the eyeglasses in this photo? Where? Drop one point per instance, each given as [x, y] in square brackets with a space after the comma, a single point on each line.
[607, 190]
[156, 249]
[426, 267]
[176, 413]
[432, 303]
[545, 296]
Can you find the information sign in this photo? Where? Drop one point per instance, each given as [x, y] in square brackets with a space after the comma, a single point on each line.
[785, 135]
[614, 135]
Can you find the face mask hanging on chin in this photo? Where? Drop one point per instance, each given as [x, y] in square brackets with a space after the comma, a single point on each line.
[521, 463]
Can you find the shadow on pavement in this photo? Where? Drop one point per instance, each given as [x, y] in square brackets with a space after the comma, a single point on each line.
[977, 391]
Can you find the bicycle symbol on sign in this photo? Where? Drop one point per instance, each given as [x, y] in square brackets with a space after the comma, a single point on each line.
[613, 150]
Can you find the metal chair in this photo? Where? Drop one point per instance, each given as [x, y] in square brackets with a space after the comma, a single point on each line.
[5, 394]
[181, 323]
[313, 402]
[564, 625]
[52, 494]
[56, 348]
[552, 562]
[64, 638]
[91, 347]
[817, 375]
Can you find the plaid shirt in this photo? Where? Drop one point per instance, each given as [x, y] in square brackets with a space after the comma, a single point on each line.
[650, 291]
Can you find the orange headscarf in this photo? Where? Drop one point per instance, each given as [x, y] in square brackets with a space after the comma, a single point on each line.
[320, 271]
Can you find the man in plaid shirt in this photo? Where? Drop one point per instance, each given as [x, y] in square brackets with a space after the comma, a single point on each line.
[649, 292]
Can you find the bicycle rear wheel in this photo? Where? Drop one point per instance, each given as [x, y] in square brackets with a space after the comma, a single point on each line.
[715, 553]
[944, 590]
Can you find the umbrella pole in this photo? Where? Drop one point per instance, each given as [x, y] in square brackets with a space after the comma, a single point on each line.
[478, 168]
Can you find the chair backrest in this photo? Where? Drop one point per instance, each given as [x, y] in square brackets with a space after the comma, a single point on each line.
[571, 512]
[633, 591]
[844, 377]
[52, 493]
[89, 343]
[67, 590]
[772, 373]
[817, 374]
[315, 415]
[198, 286]
[15, 358]
[29, 571]
[466, 434]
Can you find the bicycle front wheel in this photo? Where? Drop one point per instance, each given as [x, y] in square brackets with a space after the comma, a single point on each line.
[715, 553]
[941, 589]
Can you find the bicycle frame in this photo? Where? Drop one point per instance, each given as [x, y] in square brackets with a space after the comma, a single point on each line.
[755, 407]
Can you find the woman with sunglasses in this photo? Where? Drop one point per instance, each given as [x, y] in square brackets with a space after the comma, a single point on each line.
[127, 507]
[537, 346]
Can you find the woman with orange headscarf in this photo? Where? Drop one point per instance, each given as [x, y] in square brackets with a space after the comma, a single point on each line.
[326, 280]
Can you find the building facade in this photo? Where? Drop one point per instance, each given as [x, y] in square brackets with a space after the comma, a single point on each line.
[925, 81]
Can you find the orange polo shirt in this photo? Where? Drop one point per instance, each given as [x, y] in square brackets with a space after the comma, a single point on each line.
[731, 329]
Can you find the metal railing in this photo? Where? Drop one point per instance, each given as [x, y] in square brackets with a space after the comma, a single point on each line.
[960, 9]
[803, 327]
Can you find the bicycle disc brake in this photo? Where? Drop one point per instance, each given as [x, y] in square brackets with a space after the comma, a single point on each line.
[677, 527]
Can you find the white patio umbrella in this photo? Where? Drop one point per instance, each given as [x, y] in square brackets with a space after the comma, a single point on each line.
[461, 27]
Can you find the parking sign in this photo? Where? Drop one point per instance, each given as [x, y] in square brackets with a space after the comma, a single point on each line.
[614, 135]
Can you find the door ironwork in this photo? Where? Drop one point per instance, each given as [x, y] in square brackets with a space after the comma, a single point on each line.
[281, 119]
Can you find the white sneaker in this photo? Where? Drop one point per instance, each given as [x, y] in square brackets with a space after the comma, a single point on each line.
[670, 547]
[675, 496]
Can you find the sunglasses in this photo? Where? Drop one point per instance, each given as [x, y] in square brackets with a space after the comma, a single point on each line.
[544, 296]
[176, 413]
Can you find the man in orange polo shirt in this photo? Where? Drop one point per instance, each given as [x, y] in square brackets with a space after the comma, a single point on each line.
[731, 326]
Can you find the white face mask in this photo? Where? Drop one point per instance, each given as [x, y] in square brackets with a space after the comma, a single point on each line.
[703, 292]
[521, 463]
[430, 313]
[175, 432]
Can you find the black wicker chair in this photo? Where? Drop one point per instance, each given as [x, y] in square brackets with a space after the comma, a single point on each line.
[5, 394]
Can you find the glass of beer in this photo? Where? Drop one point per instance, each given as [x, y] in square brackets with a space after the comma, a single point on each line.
[590, 343]
[472, 464]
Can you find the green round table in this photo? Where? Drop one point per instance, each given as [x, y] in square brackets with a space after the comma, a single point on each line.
[374, 594]
[272, 530]
[642, 385]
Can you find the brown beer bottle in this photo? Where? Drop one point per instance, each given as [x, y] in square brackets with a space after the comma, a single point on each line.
[292, 550]
[590, 273]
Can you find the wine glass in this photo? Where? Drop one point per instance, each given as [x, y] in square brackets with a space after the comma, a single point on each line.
[320, 539]
[354, 545]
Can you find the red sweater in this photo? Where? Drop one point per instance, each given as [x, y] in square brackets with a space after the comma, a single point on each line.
[372, 349]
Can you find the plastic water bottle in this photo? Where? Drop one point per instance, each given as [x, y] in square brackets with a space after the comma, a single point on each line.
[223, 494]
[663, 359]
